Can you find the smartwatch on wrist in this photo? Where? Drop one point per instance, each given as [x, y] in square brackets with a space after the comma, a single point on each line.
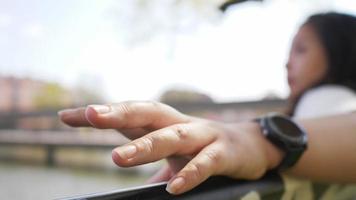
[286, 135]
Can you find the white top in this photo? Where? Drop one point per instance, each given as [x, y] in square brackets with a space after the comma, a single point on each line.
[326, 100]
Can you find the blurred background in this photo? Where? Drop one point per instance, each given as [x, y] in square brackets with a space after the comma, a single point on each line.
[200, 56]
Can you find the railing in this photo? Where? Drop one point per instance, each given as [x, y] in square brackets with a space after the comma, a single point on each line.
[215, 188]
[51, 140]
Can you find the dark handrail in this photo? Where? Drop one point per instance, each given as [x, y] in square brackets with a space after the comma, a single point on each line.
[215, 188]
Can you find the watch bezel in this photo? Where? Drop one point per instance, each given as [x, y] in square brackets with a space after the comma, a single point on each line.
[290, 141]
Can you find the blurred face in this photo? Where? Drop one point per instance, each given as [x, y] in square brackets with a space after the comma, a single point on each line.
[307, 63]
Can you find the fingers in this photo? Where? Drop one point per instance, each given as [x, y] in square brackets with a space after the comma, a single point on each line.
[124, 115]
[78, 118]
[207, 163]
[120, 116]
[179, 139]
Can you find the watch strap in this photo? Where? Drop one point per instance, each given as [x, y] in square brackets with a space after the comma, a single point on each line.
[290, 159]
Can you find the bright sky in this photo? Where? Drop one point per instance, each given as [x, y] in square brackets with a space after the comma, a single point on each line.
[240, 56]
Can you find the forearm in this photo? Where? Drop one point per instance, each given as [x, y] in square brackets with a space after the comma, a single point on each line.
[331, 153]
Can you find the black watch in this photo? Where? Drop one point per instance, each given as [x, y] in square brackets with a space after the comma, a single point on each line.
[286, 135]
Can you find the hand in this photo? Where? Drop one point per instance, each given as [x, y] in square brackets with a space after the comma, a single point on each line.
[195, 148]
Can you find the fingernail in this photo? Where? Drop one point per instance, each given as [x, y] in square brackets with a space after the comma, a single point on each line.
[175, 185]
[101, 109]
[126, 152]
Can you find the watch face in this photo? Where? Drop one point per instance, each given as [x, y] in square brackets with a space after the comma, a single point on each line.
[286, 127]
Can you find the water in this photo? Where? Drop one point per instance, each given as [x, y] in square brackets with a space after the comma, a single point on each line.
[39, 182]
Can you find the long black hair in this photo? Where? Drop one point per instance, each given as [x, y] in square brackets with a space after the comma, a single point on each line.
[337, 34]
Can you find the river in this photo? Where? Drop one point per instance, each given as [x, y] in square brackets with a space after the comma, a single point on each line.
[24, 181]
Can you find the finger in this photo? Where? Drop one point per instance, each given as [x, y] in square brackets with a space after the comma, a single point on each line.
[124, 115]
[164, 174]
[129, 115]
[179, 139]
[208, 162]
[74, 117]
[77, 118]
[133, 119]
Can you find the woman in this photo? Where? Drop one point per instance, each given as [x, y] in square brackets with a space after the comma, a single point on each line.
[322, 66]
[322, 79]
[197, 148]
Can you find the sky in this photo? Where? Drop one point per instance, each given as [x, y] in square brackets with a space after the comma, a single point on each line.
[237, 56]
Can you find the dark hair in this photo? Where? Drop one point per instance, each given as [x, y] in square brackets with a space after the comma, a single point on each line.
[337, 34]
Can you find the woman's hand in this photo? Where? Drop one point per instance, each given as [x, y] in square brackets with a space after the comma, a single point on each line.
[195, 148]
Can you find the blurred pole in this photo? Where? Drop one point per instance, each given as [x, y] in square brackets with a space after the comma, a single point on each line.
[50, 159]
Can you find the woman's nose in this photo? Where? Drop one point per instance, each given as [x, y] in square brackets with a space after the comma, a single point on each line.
[288, 65]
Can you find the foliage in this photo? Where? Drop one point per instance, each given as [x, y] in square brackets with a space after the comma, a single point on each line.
[51, 95]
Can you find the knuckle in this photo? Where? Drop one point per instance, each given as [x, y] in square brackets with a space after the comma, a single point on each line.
[146, 145]
[154, 104]
[181, 131]
[124, 113]
[214, 156]
[125, 109]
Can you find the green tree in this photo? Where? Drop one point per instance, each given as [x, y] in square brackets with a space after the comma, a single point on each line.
[51, 95]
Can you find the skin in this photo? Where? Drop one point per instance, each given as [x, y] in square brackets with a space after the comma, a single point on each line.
[307, 63]
[197, 148]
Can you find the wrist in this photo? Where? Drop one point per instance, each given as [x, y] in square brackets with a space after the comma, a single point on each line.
[274, 155]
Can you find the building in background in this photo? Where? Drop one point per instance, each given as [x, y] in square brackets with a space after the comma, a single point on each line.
[17, 94]
[33, 104]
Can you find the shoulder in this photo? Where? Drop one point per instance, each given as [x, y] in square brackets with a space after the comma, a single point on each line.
[326, 100]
